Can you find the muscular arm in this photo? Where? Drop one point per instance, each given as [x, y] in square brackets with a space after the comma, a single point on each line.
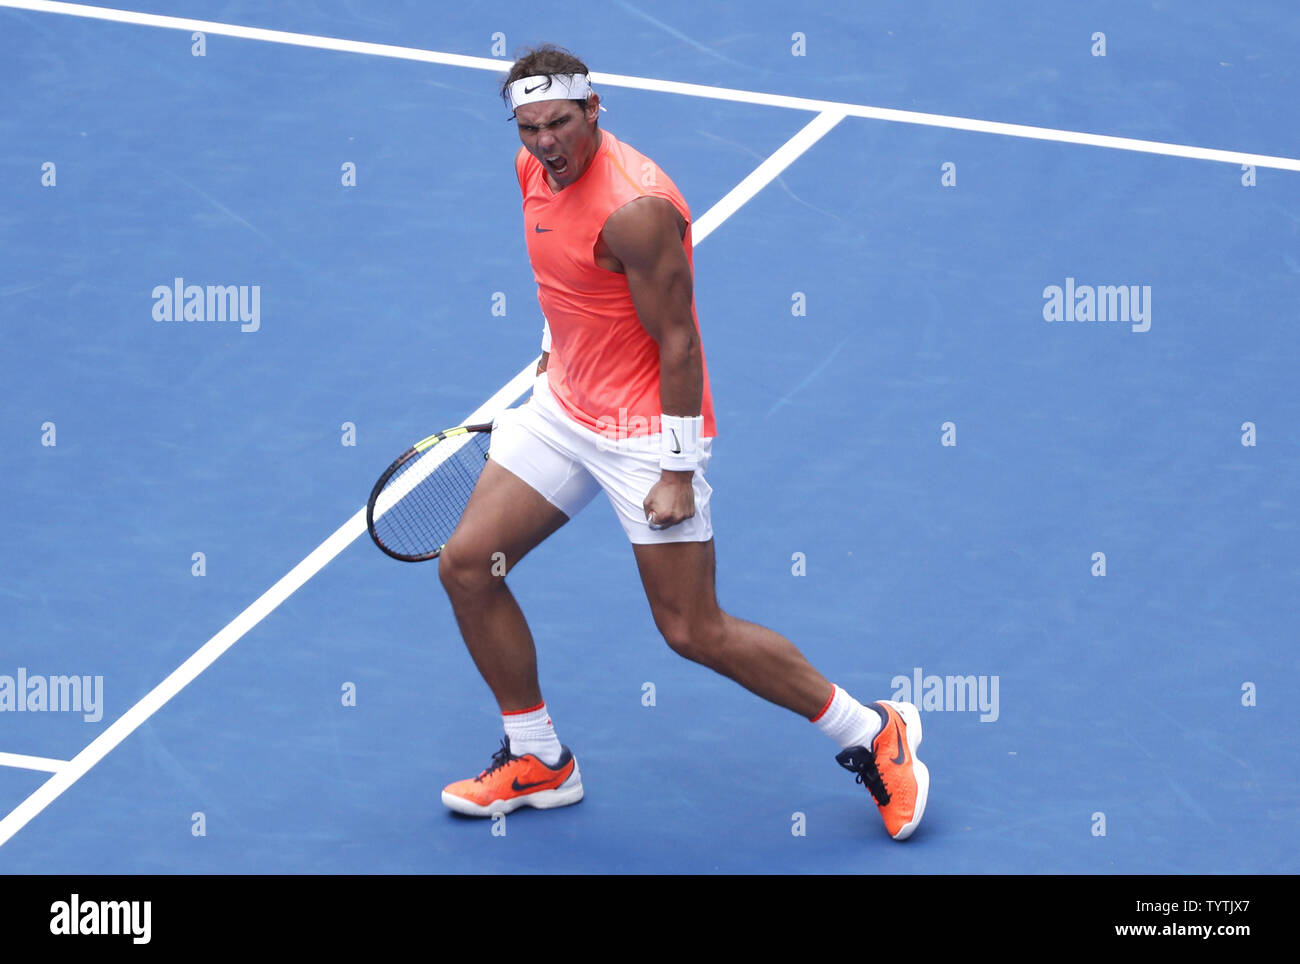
[645, 236]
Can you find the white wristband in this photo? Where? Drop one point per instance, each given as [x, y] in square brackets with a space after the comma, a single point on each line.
[679, 442]
[546, 335]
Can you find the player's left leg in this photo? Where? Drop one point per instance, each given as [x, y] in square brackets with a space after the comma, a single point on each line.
[879, 742]
[679, 583]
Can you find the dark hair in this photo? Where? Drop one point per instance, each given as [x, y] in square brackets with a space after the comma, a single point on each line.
[545, 60]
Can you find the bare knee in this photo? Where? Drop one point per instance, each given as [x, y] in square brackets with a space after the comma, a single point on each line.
[699, 639]
[466, 573]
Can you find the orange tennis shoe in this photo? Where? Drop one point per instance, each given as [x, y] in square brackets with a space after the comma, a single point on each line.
[513, 781]
[899, 781]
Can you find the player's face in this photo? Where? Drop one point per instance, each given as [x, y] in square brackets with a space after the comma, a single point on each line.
[560, 134]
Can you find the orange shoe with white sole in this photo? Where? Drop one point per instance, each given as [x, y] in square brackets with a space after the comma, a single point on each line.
[513, 781]
[899, 781]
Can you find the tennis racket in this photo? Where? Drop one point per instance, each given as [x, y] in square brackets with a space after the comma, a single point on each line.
[417, 503]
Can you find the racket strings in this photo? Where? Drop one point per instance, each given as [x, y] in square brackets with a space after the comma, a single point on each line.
[421, 521]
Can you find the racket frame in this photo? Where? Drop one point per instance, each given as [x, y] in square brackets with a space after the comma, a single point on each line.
[415, 451]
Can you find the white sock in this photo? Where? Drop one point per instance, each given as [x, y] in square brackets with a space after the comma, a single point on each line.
[848, 722]
[530, 731]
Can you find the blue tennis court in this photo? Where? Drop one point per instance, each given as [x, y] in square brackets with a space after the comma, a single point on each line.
[1007, 427]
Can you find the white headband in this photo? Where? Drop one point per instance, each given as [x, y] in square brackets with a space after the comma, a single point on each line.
[530, 90]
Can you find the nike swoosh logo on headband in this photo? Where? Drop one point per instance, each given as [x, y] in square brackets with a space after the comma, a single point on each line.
[529, 90]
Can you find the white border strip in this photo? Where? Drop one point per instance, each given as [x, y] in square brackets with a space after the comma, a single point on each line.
[189, 670]
[664, 86]
[24, 762]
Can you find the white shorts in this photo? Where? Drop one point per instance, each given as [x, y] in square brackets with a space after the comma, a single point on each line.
[568, 464]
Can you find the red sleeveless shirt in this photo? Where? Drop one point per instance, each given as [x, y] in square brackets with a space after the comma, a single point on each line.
[603, 367]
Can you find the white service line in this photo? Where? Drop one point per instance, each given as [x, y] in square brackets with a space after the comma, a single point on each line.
[665, 86]
[24, 762]
[184, 674]
[764, 174]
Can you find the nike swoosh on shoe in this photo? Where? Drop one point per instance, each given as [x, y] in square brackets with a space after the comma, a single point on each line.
[902, 745]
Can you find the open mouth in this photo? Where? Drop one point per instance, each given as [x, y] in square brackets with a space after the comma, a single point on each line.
[558, 163]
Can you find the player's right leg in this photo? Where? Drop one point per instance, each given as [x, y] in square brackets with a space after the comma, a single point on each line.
[529, 488]
[504, 521]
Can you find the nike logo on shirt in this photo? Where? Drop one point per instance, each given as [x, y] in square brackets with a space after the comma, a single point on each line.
[541, 230]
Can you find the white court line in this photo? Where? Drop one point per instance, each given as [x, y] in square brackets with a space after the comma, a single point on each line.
[664, 86]
[764, 174]
[31, 762]
[67, 774]
[206, 655]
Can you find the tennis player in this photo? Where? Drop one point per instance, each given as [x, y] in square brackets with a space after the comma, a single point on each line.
[621, 405]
